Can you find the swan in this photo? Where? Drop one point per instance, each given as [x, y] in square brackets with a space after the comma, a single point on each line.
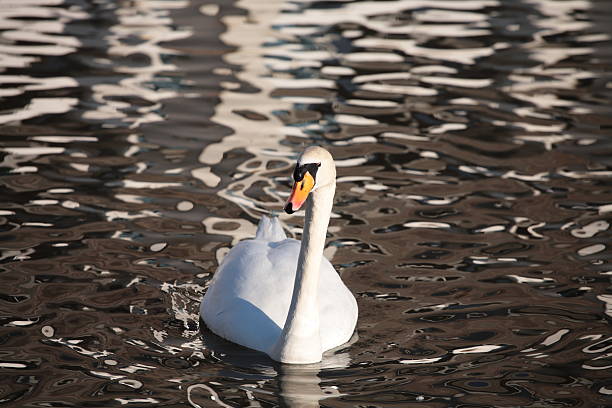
[281, 296]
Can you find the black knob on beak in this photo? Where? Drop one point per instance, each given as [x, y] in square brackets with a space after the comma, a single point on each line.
[289, 208]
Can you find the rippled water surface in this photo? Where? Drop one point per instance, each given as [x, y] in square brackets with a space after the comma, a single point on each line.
[141, 139]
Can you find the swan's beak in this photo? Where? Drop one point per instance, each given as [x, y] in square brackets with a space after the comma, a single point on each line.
[299, 194]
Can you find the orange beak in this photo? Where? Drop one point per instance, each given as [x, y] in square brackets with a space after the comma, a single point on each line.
[299, 194]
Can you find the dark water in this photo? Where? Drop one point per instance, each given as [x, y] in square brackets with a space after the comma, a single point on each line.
[140, 139]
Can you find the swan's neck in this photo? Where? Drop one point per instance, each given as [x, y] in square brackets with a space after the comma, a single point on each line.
[300, 341]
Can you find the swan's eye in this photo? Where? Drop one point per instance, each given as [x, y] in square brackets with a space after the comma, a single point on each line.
[300, 170]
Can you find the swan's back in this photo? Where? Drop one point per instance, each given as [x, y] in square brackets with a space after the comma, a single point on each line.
[270, 229]
[248, 299]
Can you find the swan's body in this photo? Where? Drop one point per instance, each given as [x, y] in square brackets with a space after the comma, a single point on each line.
[281, 296]
[250, 295]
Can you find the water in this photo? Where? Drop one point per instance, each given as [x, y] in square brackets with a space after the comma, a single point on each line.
[140, 140]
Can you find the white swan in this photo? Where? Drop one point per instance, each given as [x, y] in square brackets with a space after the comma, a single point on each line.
[280, 296]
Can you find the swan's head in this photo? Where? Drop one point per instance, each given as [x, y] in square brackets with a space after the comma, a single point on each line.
[315, 168]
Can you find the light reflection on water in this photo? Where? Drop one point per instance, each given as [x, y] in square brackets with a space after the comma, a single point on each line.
[140, 140]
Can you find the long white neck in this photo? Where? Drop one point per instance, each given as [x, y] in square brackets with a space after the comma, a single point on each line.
[300, 341]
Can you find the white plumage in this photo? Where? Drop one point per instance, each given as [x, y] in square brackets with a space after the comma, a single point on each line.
[282, 296]
[249, 297]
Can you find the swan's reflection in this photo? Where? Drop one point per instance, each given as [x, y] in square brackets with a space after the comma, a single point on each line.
[298, 385]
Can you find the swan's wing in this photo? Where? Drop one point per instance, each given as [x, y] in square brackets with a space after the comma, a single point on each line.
[248, 298]
[337, 308]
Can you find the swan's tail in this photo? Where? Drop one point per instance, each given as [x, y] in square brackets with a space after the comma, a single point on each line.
[270, 229]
